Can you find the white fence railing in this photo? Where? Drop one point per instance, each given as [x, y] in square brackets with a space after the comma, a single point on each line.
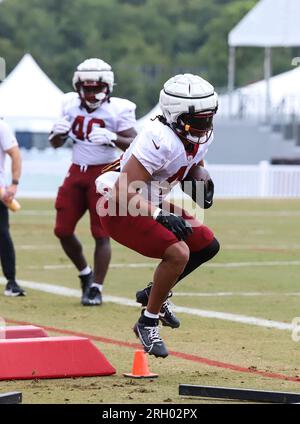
[262, 180]
[43, 173]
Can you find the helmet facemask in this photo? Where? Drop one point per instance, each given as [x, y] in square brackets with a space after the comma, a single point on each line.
[195, 128]
[93, 93]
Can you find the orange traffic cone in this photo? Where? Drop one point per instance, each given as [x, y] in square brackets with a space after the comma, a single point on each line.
[140, 367]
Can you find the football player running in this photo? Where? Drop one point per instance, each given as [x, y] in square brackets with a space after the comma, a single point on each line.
[98, 124]
[167, 151]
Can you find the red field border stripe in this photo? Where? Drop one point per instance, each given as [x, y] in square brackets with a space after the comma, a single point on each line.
[232, 367]
[180, 355]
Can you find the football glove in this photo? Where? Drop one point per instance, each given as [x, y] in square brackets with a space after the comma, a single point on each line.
[61, 127]
[102, 136]
[208, 187]
[208, 190]
[174, 223]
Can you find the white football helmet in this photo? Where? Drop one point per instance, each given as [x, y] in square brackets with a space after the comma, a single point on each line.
[188, 103]
[94, 81]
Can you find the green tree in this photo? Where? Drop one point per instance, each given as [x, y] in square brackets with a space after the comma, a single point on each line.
[145, 41]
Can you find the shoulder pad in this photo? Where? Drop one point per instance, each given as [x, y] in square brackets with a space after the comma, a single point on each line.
[70, 99]
[122, 104]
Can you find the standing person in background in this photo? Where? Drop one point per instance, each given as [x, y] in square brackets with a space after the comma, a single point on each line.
[8, 146]
[98, 124]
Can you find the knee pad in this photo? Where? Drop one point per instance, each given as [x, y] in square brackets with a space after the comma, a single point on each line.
[206, 253]
[212, 249]
[200, 257]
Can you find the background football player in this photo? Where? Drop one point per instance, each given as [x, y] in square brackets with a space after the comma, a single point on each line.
[170, 149]
[98, 124]
[8, 146]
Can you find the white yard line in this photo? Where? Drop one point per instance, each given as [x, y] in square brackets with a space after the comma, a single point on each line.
[30, 212]
[243, 319]
[49, 267]
[251, 264]
[274, 246]
[238, 294]
[52, 246]
[153, 264]
[223, 246]
[36, 247]
[255, 213]
[68, 266]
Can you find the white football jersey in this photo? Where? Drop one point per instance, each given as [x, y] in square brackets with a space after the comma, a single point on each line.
[7, 141]
[163, 155]
[117, 115]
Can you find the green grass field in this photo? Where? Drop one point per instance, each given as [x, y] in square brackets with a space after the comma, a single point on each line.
[256, 271]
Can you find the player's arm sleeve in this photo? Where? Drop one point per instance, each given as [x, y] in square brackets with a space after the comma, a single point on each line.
[146, 151]
[7, 137]
[126, 116]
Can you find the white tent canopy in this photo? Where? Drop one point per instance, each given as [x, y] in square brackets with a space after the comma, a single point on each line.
[250, 100]
[29, 100]
[271, 23]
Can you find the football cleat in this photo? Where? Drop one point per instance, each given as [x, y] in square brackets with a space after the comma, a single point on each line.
[147, 330]
[91, 295]
[86, 280]
[13, 289]
[166, 315]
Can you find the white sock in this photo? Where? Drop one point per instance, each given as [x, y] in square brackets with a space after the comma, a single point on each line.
[150, 315]
[99, 286]
[85, 271]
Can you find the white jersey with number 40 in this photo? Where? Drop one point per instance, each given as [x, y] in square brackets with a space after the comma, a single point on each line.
[116, 115]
